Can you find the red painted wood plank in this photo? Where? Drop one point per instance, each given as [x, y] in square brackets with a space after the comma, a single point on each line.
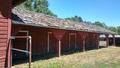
[2, 52]
[3, 24]
[3, 40]
[3, 20]
[3, 36]
[2, 64]
[3, 32]
[2, 60]
[3, 48]
[3, 28]
[1, 16]
[2, 56]
[3, 44]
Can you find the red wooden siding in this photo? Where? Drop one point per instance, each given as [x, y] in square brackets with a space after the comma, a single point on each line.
[5, 27]
[65, 42]
[79, 41]
[40, 40]
[53, 44]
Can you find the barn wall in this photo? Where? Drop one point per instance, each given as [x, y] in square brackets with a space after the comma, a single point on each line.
[79, 41]
[65, 42]
[40, 40]
[91, 41]
[5, 25]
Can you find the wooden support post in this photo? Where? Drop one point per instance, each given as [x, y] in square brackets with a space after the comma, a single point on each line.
[107, 40]
[83, 44]
[75, 41]
[114, 40]
[59, 48]
[48, 42]
[9, 54]
[84, 40]
[58, 35]
[97, 41]
[30, 51]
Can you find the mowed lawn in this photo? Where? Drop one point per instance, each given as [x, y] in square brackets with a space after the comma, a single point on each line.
[101, 58]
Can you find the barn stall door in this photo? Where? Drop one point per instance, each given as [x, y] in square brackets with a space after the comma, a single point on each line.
[51, 43]
[72, 41]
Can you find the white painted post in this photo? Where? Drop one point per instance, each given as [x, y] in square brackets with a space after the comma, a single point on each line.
[59, 48]
[75, 41]
[48, 42]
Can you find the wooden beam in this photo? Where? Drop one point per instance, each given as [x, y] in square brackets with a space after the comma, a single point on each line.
[30, 51]
[48, 42]
[84, 35]
[59, 48]
[83, 44]
[97, 40]
[58, 33]
[114, 40]
[107, 40]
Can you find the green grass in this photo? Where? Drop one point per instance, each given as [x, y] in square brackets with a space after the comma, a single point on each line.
[101, 58]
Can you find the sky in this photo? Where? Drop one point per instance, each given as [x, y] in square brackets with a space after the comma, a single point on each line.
[107, 11]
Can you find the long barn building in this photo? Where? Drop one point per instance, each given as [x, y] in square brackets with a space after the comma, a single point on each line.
[49, 34]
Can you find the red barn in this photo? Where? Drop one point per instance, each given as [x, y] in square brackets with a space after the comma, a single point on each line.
[53, 35]
[49, 34]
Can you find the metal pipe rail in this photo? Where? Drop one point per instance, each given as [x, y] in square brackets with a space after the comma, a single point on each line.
[29, 51]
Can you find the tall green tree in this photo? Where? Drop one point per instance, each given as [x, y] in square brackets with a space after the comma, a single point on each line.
[40, 6]
[100, 24]
[118, 30]
[114, 29]
[75, 18]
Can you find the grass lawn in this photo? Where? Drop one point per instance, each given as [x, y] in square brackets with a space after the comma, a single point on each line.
[101, 58]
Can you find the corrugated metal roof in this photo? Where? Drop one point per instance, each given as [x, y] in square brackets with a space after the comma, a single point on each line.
[22, 16]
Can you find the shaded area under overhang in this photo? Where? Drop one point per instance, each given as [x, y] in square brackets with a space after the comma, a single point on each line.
[17, 2]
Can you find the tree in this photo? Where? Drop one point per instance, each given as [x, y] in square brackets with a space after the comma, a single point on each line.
[118, 30]
[75, 18]
[114, 29]
[100, 24]
[40, 6]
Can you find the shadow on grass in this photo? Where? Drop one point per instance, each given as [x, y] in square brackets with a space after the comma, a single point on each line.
[50, 55]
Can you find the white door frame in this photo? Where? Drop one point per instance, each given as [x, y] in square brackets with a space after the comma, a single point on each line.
[48, 42]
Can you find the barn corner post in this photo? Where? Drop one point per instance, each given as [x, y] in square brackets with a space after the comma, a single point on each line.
[58, 33]
[114, 43]
[30, 51]
[107, 40]
[97, 40]
[9, 35]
